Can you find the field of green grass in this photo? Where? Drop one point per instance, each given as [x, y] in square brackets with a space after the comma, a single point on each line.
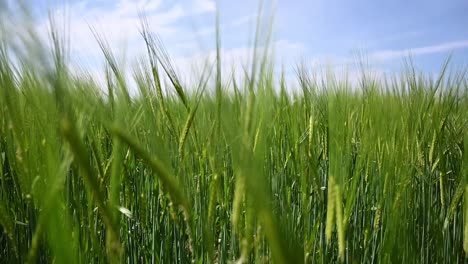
[229, 170]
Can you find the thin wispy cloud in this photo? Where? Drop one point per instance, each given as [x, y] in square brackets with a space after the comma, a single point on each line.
[385, 55]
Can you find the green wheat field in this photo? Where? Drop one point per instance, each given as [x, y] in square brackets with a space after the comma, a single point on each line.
[228, 170]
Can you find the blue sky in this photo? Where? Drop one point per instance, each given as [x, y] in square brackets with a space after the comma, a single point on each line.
[317, 32]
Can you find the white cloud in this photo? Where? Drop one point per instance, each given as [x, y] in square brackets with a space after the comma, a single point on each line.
[385, 55]
[127, 7]
[236, 60]
[202, 6]
[242, 20]
[119, 25]
[119, 22]
[211, 30]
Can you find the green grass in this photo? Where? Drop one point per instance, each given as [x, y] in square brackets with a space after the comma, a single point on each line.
[366, 173]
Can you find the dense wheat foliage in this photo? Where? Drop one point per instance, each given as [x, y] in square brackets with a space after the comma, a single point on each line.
[229, 170]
